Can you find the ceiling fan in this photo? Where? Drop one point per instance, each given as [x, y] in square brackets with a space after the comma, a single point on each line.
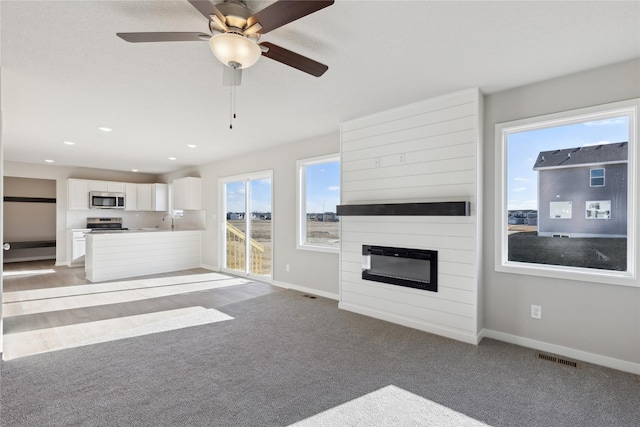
[235, 31]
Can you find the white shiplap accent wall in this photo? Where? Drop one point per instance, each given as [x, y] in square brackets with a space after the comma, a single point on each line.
[424, 152]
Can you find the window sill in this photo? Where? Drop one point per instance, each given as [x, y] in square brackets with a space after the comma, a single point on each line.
[329, 249]
[608, 277]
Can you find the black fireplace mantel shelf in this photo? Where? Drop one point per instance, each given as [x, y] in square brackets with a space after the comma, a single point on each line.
[407, 209]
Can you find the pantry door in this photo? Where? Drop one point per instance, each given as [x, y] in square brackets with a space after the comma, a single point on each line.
[247, 224]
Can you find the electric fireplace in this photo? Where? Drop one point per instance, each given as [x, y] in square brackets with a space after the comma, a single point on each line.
[413, 268]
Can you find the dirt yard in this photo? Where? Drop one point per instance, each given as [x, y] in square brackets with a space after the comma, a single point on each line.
[600, 253]
[323, 232]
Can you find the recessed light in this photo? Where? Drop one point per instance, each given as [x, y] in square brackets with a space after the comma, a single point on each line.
[172, 158]
[134, 170]
[191, 145]
[104, 129]
[49, 161]
[68, 142]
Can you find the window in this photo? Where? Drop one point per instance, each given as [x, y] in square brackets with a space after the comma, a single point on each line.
[596, 177]
[543, 165]
[560, 210]
[318, 197]
[599, 209]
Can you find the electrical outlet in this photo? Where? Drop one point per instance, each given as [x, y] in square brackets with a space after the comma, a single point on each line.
[536, 312]
[287, 268]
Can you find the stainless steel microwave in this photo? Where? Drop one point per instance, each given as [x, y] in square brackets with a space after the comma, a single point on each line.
[102, 200]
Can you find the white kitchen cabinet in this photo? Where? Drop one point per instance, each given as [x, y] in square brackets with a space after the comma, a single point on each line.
[108, 186]
[144, 197]
[131, 197]
[77, 247]
[78, 191]
[78, 194]
[160, 197]
[187, 193]
[116, 187]
[98, 185]
[138, 197]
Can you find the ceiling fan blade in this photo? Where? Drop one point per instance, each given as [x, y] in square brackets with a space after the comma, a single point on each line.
[163, 37]
[207, 8]
[284, 11]
[293, 59]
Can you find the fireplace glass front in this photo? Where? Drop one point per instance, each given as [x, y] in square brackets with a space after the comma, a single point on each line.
[414, 268]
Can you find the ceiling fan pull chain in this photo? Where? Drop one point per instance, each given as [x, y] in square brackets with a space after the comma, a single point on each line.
[231, 107]
[232, 97]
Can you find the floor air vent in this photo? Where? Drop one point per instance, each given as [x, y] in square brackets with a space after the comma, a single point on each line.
[557, 359]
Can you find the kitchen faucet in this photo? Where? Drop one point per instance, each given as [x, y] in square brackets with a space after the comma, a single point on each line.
[172, 224]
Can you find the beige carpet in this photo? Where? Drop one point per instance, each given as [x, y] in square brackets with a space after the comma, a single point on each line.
[390, 406]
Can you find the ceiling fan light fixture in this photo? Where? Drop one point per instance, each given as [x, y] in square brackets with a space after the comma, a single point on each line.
[235, 48]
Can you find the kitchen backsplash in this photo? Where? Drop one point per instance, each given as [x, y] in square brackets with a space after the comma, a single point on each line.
[190, 220]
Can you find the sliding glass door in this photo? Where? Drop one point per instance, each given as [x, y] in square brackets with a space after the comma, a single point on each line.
[247, 242]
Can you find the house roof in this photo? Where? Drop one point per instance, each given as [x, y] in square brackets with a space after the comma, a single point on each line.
[579, 156]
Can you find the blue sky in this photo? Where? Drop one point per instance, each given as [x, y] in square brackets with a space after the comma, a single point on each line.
[523, 149]
[260, 191]
[323, 189]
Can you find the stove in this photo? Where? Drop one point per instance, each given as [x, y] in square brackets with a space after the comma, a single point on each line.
[105, 225]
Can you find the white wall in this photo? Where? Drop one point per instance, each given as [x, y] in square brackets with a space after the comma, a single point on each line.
[315, 272]
[423, 152]
[595, 322]
[73, 219]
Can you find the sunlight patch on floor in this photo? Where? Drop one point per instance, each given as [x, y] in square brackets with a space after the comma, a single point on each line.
[24, 302]
[28, 272]
[390, 406]
[94, 288]
[25, 343]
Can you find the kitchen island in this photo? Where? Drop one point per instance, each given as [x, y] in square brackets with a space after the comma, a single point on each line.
[140, 252]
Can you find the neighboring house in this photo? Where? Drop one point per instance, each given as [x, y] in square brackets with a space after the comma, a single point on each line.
[522, 217]
[582, 192]
[234, 216]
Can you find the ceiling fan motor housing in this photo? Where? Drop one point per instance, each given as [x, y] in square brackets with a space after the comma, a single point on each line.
[236, 15]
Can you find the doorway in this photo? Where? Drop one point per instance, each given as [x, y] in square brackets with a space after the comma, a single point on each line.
[29, 219]
[247, 217]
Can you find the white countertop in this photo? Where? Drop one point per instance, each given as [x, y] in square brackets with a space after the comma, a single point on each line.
[143, 230]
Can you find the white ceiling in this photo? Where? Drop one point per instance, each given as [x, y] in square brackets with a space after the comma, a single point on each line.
[64, 72]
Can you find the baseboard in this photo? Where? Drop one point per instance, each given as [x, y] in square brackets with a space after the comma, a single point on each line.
[596, 359]
[210, 267]
[306, 290]
[28, 258]
[404, 321]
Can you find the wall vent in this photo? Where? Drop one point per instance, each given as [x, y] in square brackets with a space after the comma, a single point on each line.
[558, 359]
